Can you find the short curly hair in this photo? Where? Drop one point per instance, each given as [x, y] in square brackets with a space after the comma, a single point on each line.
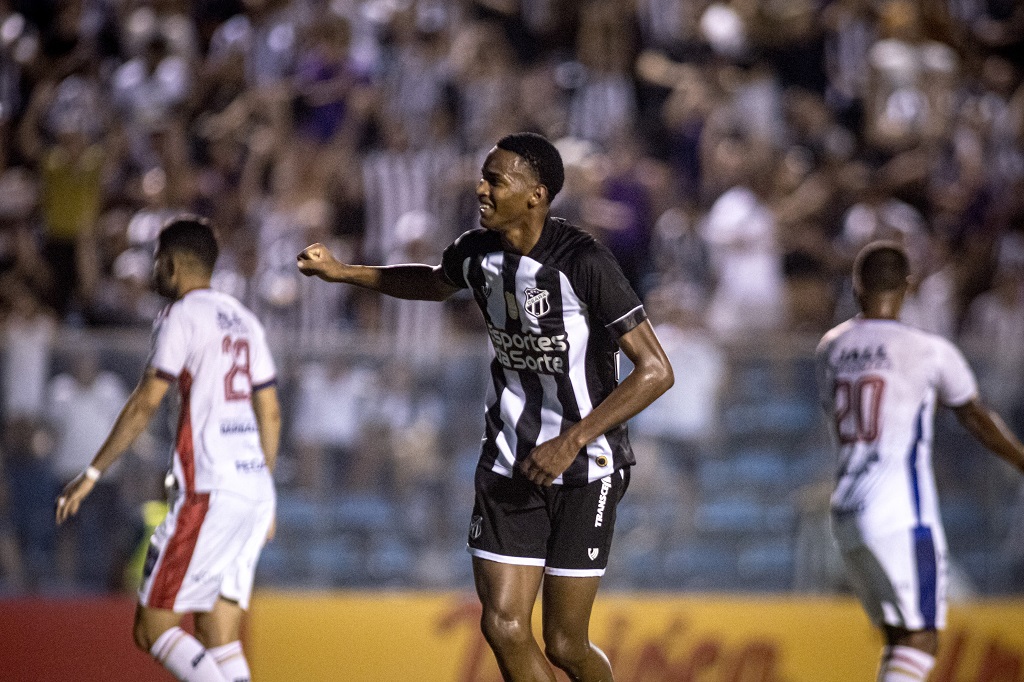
[881, 266]
[190, 234]
[542, 156]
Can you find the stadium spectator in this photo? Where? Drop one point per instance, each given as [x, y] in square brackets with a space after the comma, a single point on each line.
[324, 78]
[148, 89]
[910, 76]
[622, 213]
[679, 255]
[13, 578]
[686, 418]
[417, 70]
[333, 404]
[685, 422]
[994, 331]
[59, 134]
[603, 102]
[740, 230]
[82, 404]
[485, 75]
[28, 329]
[27, 450]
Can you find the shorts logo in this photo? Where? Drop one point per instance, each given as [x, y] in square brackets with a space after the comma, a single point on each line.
[152, 554]
[476, 527]
[512, 305]
[602, 501]
[537, 303]
[592, 552]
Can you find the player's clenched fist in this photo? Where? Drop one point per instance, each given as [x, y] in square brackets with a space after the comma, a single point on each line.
[316, 259]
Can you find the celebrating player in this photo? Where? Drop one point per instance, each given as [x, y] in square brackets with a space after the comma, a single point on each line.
[555, 457]
[202, 557]
[880, 381]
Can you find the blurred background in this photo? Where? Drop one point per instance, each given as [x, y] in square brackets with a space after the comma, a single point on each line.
[734, 155]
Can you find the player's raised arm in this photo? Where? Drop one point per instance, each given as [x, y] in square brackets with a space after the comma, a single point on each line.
[134, 416]
[417, 282]
[990, 429]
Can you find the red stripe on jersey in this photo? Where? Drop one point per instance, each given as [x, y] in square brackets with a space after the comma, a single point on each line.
[186, 446]
[178, 553]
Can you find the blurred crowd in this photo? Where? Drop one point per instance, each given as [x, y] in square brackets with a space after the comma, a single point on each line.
[733, 154]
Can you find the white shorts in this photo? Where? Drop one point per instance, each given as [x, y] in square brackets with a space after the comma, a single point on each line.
[207, 547]
[900, 578]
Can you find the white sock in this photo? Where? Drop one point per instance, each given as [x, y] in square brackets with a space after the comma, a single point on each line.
[905, 664]
[185, 657]
[231, 661]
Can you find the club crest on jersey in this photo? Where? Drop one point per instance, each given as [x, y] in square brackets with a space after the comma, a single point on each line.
[537, 303]
[512, 305]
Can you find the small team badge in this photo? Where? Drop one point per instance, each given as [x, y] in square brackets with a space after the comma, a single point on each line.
[475, 527]
[593, 552]
[537, 303]
[512, 305]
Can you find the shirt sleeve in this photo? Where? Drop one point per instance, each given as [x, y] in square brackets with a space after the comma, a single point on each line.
[453, 259]
[170, 346]
[957, 383]
[606, 291]
[262, 369]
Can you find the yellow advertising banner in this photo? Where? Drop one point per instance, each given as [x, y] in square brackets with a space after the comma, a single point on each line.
[357, 636]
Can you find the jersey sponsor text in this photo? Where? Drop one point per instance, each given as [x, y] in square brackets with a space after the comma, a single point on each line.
[541, 353]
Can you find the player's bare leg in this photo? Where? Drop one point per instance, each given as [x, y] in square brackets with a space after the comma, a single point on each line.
[157, 632]
[507, 593]
[151, 623]
[909, 655]
[220, 631]
[567, 604]
[220, 626]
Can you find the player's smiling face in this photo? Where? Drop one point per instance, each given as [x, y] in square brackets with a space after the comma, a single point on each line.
[506, 191]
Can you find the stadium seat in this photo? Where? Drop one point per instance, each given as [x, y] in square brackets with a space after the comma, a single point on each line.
[362, 512]
[390, 561]
[335, 561]
[745, 515]
[699, 565]
[767, 565]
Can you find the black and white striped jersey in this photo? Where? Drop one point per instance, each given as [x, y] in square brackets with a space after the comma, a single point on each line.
[553, 317]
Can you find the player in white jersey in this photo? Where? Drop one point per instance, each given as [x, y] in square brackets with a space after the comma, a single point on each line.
[880, 381]
[203, 556]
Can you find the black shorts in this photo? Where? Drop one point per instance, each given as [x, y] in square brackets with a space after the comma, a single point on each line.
[568, 530]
